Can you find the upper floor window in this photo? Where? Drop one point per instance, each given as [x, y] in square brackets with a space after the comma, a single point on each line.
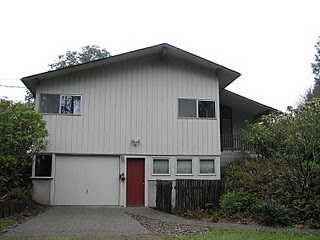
[194, 108]
[60, 104]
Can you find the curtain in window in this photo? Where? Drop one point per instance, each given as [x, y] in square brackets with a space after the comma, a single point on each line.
[70, 104]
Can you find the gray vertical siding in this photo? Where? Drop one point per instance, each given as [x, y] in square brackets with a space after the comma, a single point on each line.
[131, 100]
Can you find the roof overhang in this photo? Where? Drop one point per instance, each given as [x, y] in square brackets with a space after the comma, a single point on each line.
[245, 105]
[225, 75]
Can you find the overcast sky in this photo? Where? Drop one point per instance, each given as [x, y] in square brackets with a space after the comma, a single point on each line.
[271, 43]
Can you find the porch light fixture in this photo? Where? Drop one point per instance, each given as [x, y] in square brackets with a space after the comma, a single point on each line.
[136, 142]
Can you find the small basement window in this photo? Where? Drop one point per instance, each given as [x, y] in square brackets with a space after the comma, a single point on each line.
[193, 108]
[184, 166]
[161, 166]
[207, 166]
[60, 104]
[43, 166]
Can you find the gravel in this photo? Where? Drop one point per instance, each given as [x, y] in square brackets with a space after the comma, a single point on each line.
[167, 228]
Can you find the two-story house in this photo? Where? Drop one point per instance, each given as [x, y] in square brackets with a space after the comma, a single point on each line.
[118, 124]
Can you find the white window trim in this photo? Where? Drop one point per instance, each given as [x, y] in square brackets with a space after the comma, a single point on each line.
[192, 165]
[214, 164]
[60, 95]
[197, 109]
[161, 174]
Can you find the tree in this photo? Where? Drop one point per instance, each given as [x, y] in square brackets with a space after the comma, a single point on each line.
[314, 90]
[23, 134]
[87, 54]
[29, 98]
[292, 139]
[316, 64]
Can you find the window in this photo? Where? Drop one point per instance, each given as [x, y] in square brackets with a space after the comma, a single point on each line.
[70, 104]
[160, 166]
[184, 166]
[206, 109]
[193, 108]
[60, 104]
[43, 165]
[49, 103]
[187, 108]
[207, 166]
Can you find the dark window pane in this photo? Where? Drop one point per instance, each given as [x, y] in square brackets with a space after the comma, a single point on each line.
[70, 104]
[43, 166]
[206, 109]
[49, 103]
[187, 108]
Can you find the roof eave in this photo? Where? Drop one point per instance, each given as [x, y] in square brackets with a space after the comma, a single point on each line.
[226, 75]
[238, 99]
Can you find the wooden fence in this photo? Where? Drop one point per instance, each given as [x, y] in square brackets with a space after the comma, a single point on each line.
[190, 194]
[164, 196]
[12, 207]
[198, 194]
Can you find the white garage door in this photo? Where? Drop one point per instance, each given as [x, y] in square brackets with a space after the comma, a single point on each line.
[86, 180]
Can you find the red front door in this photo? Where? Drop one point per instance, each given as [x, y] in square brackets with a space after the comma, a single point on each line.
[135, 181]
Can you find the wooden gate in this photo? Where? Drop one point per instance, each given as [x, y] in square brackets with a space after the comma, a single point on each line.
[164, 196]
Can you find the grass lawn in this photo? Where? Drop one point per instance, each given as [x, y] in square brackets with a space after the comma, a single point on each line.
[5, 223]
[236, 234]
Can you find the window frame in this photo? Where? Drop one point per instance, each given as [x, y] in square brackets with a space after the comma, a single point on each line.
[192, 166]
[214, 166]
[197, 109]
[60, 97]
[161, 159]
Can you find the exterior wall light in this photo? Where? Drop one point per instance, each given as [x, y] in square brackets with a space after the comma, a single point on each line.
[135, 142]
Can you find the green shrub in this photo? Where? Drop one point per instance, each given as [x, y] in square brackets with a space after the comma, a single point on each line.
[15, 173]
[271, 213]
[22, 134]
[18, 194]
[237, 203]
[283, 196]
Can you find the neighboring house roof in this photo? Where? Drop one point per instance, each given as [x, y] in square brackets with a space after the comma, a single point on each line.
[226, 75]
[245, 105]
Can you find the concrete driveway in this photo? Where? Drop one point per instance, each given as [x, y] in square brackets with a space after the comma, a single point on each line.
[81, 221]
